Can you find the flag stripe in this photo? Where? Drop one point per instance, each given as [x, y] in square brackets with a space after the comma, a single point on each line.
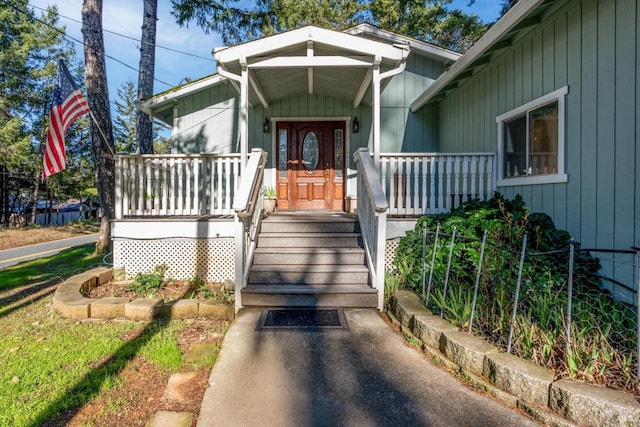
[68, 105]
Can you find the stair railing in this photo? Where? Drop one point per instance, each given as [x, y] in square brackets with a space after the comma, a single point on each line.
[372, 215]
[249, 208]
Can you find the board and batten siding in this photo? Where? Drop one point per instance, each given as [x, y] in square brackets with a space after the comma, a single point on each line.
[591, 46]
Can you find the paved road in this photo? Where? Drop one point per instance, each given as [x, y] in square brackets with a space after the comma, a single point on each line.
[361, 377]
[14, 256]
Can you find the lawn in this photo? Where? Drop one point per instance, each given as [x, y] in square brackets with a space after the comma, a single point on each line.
[58, 371]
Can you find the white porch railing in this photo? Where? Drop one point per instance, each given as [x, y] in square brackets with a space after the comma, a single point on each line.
[175, 185]
[431, 183]
[248, 206]
[372, 215]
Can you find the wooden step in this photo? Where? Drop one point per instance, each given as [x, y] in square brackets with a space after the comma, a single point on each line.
[310, 296]
[309, 256]
[309, 240]
[309, 274]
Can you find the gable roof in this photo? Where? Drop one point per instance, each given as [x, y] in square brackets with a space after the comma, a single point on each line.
[309, 60]
[524, 15]
[428, 50]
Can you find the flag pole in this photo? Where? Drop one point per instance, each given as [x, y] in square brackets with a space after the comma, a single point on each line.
[104, 138]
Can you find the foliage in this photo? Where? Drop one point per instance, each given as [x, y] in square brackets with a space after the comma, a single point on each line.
[148, 283]
[269, 192]
[430, 21]
[124, 125]
[603, 337]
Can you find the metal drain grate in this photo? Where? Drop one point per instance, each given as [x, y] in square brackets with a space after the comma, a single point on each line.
[302, 319]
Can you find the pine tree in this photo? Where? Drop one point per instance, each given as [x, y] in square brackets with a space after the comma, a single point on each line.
[144, 126]
[101, 128]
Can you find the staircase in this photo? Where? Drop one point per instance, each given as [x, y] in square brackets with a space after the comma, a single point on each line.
[311, 259]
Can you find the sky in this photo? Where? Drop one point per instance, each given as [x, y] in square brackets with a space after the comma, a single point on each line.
[193, 59]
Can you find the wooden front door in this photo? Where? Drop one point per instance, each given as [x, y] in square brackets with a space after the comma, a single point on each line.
[310, 165]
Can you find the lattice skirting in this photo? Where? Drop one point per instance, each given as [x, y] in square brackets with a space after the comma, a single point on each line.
[390, 253]
[212, 260]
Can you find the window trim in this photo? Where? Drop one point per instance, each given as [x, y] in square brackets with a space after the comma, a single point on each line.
[560, 177]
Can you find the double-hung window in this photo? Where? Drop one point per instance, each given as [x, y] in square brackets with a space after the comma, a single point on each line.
[531, 142]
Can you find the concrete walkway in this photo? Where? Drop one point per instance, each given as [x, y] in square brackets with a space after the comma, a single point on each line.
[366, 376]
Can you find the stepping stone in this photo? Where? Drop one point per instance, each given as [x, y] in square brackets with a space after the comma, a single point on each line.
[169, 418]
[177, 383]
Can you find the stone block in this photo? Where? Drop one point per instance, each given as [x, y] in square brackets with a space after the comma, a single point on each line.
[181, 309]
[429, 328]
[108, 308]
[407, 305]
[119, 274]
[143, 309]
[79, 308]
[519, 377]
[466, 350]
[103, 274]
[588, 404]
[216, 310]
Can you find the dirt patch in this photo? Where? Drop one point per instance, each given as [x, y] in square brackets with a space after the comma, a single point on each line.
[141, 386]
[170, 291]
[16, 237]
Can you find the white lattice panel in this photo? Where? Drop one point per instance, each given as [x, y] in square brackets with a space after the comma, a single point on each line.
[212, 260]
[390, 253]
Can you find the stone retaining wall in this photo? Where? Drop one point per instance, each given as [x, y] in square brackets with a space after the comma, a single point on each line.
[515, 381]
[69, 301]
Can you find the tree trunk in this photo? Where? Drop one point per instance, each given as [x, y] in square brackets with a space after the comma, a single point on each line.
[144, 126]
[36, 190]
[101, 129]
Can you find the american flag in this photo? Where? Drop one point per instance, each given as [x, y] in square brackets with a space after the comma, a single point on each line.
[68, 104]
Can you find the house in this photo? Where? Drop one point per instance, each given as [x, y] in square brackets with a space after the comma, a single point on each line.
[544, 105]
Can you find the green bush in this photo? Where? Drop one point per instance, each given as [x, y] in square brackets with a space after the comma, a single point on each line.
[148, 283]
[602, 330]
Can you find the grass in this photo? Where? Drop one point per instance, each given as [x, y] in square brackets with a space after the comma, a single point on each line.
[49, 270]
[51, 364]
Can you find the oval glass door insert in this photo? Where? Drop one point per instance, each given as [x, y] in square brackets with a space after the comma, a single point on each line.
[310, 152]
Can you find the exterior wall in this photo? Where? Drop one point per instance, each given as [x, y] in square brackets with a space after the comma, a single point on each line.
[592, 46]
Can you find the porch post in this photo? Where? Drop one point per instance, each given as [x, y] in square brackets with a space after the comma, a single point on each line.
[376, 110]
[244, 115]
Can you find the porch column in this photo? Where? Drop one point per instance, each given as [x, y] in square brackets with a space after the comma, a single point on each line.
[244, 114]
[376, 110]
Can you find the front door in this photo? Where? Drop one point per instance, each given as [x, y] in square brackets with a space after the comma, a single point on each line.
[310, 165]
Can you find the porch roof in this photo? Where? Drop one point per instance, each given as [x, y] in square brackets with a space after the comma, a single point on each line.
[307, 60]
[310, 60]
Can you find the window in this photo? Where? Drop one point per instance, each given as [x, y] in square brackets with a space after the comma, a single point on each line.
[531, 142]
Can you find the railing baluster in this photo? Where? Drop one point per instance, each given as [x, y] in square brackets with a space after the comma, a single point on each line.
[430, 183]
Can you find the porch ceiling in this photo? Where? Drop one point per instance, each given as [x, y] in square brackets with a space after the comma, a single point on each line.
[310, 60]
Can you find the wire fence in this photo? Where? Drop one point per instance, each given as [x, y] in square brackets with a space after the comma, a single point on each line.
[563, 309]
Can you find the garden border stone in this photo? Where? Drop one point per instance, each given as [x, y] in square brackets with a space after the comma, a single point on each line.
[513, 380]
[69, 301]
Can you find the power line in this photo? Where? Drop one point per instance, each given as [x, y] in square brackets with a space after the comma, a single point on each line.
[133, 38]
[13, 6]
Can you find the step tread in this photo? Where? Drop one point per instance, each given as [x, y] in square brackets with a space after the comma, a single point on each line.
[310, 268]
[308, 289]
[302, 250]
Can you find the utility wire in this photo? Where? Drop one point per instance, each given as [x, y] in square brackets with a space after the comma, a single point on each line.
[133, 38]
[17, 9]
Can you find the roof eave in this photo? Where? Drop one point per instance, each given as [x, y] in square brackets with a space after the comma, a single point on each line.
[443, 55]
[516, 14]
[172, 95]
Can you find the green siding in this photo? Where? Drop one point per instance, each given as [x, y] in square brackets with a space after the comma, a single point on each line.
[591, 46]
